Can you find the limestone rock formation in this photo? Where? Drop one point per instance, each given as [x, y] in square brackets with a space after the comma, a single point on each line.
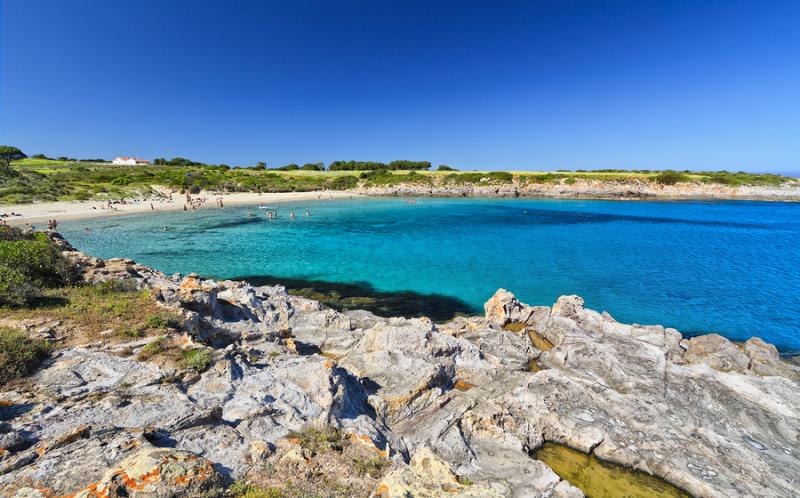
[456, 408]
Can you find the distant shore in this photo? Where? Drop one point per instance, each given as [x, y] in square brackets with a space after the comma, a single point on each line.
[597, 189]
[74, 210]
[580, 189]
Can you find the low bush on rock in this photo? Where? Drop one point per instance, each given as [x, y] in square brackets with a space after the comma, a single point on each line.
[319, 440]
[372, 467]
[19, 354]
[152, 349]
[197, 359]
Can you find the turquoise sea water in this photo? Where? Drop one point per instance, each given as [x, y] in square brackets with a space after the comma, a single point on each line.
[726, 267]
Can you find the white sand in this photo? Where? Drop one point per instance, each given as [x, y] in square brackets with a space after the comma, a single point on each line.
[72, 210]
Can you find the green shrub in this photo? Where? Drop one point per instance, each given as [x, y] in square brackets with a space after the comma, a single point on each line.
[121, 180]
[501, 176]
[15, 289]
[198, 359]
[19, 354]
[344, 182]
[29, 262]
[670, 177]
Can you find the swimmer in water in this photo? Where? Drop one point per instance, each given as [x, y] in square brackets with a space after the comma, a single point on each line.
[308, 213]
[291, 215]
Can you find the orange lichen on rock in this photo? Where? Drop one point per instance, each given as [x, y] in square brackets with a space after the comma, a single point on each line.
[368, 442]
[192, 281]
[463, 385]
[153, 472]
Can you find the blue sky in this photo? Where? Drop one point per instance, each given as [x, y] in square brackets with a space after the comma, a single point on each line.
[477, 85]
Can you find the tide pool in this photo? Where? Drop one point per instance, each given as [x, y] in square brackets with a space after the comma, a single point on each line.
[726, 267]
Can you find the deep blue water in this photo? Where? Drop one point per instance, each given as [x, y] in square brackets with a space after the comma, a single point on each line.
[726, 267]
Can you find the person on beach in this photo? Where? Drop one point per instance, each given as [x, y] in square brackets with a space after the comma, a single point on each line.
[151, 207]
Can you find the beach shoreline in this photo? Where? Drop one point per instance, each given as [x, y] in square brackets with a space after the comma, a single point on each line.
[39, 212]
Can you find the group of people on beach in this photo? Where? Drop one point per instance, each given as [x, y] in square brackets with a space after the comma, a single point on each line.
[196, 202]
[3, 216]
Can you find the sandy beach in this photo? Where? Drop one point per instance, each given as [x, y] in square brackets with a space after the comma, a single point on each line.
[71, 210]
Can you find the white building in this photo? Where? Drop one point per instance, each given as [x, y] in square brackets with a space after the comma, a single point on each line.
[133, 161]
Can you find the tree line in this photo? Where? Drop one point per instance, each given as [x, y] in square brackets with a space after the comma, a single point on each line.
[13, 154]
[374, 165]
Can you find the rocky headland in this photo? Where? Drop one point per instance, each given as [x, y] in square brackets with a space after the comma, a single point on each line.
[348, 403]
[582, 188]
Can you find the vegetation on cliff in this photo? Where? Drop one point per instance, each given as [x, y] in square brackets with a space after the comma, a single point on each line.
[39, 179]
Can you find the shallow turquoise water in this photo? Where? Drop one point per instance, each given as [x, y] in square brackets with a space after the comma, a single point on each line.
[726, 267]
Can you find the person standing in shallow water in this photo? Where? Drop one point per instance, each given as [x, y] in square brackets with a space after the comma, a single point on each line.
[291, 215]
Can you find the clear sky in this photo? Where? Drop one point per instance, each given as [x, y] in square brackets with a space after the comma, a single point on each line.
[699, 84]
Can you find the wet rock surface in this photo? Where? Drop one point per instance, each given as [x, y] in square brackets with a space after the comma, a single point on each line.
[454, 409]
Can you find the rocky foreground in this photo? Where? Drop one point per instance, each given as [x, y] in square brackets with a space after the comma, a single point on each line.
[450, 409]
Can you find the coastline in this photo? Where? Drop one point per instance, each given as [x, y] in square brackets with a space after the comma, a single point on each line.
[597, 190]
[76, 210]
[581, 190]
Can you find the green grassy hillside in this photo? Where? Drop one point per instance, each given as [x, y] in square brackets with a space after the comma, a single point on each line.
[37, 180]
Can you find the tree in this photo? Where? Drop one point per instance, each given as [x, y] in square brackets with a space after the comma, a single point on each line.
[313, 167]
[444, 167]
[8, 154]
[260, 165]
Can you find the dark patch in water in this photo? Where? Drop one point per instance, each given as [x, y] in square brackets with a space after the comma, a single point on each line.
[539, 216]
[363, 296]
[189, 252]
[234, 223]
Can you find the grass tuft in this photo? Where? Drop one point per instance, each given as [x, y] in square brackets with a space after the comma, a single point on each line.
[319, 440]
[197, 359]
[241, 489]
